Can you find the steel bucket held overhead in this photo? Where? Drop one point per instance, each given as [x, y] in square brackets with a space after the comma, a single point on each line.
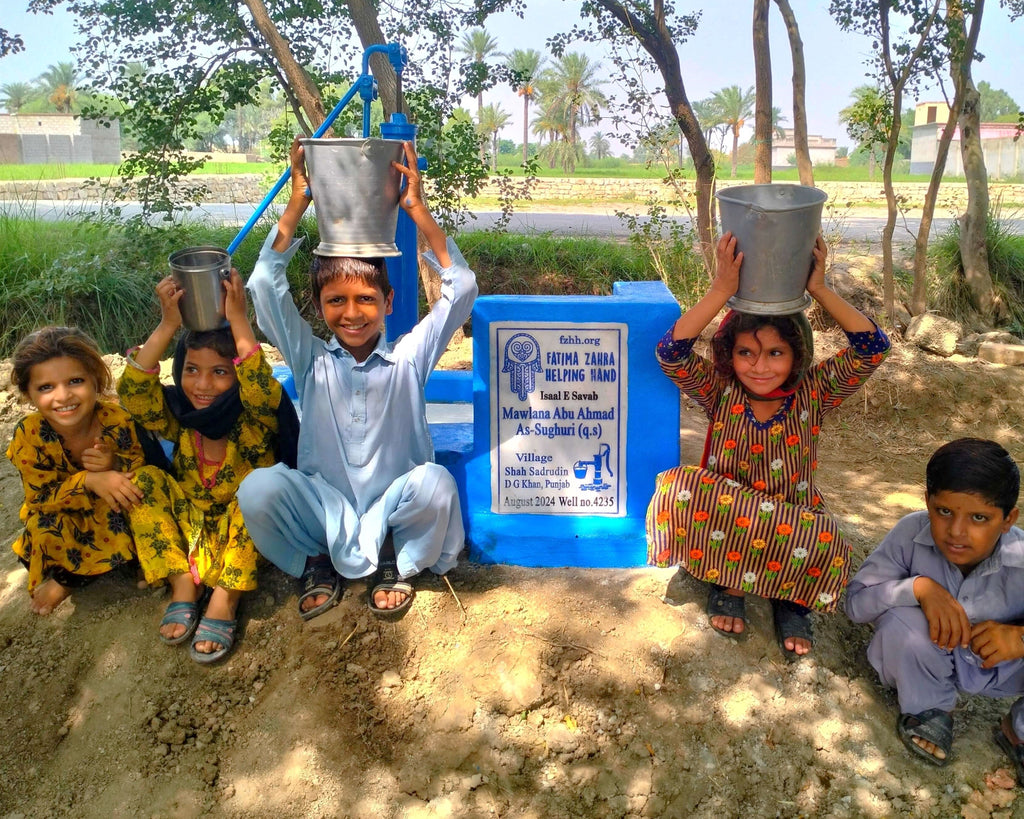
[200, 272]
[355, 191]
[775, 227]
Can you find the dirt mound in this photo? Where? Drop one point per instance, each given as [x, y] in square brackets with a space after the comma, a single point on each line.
[534, 693]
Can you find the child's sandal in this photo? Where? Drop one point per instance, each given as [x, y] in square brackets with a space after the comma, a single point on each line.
[934, 726]
[723, 604]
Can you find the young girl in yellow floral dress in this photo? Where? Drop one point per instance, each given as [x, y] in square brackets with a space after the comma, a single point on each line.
[749, 520]
[222, 415]
[76, 454]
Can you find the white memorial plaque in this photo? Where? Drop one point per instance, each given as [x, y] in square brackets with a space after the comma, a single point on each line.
[558, 418]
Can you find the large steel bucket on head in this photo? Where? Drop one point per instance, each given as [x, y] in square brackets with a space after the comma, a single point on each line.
[355, 190]
[200, 272]
[775, 226]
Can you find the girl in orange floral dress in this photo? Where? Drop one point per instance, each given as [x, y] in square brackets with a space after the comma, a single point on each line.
[749, 520]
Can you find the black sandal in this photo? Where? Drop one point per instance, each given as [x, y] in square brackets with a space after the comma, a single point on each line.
[934, 726]
[1014, 750]
[723, 604]
[319, 578]
[387, 579]
[792, 621]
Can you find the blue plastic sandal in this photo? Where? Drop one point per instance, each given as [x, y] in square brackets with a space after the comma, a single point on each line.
[213, 631]
[180, 613]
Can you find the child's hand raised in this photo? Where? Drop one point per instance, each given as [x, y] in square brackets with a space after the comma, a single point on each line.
[234, 299]
[169, 294]
[99, 457]
[412, 193]
[297, 158]
[727, 265]
[816, 281]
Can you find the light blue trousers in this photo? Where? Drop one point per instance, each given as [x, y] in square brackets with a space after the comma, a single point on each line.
[926, 676]
[292, 516]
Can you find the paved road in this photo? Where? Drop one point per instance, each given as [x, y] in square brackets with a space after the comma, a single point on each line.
[592, 223]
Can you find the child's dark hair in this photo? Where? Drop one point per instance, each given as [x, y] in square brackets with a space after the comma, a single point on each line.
[977, 467]
[221, 341]
[793, 329]
[325, 269]
[58, 342]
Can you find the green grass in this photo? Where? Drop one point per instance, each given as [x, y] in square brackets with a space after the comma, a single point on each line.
[97, 274]
[80, 170]
[34, 173]
[949, 292]
[100, 274]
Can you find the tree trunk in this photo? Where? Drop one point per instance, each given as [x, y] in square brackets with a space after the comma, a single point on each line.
[796, 47]
[919, 291]
[735, 147]
[302, 85]
[974, 222]
[763, 96]
[364, 17]
[888, 283]
[526, 125]
[656, 40]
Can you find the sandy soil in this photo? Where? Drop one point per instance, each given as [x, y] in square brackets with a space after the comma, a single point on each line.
[534, 693]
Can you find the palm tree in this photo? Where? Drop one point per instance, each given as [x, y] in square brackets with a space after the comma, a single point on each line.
[60, 84]
[16, 95]
[550, 123]
[736, 106]
[478, 45]
[710, 118]
[492, 119]
[571, 89]
[599, 145]
[525, 68]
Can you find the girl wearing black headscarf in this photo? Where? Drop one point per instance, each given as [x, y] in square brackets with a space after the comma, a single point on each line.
[225, 415]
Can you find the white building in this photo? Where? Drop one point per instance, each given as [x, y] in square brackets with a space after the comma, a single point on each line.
[1004, 153]
[822, 150]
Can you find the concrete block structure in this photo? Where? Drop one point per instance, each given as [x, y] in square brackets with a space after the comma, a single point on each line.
[42, 139]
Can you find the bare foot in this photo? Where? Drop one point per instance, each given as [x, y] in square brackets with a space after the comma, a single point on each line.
[800, 646]
[314, 600]
[183, 590]
[389, 599]
[222, 606]
[735, 625]
[47, 596]
[930, 747]
[321, 597]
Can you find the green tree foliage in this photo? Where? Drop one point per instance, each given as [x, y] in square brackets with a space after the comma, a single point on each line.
[996, 104]
[600, 145]
[735, 106]
[571, 98]
[209, 58]
[16, 95]
[492, 119]
[524, 67]
[10, 43]
[59, 85]
[478, 46]
[867, 120]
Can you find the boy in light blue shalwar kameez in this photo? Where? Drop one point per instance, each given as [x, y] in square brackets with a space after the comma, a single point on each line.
[366, 498]
[945, 592]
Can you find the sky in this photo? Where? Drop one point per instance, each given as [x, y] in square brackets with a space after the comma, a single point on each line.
[718, 55]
